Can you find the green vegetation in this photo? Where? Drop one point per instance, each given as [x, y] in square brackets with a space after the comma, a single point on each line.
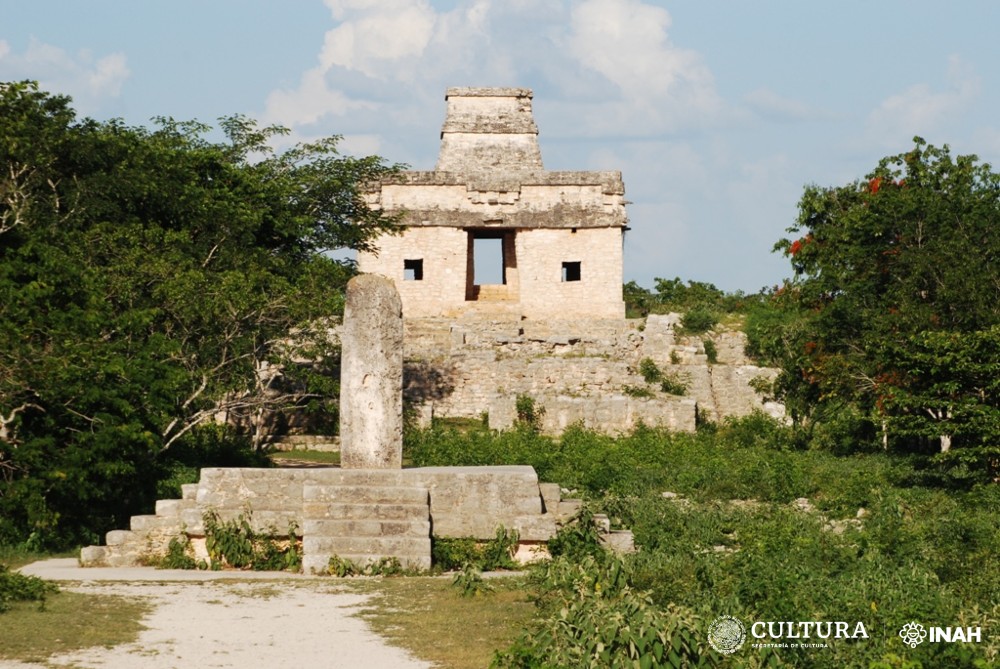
[451, 554]
[889, 334]
[702, 303]
[15, 587]
[387, 566]
[880, 541]
[235, 544]
[148, 281]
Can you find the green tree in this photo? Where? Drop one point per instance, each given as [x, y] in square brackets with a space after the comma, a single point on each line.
[891, 273]
[152, 281]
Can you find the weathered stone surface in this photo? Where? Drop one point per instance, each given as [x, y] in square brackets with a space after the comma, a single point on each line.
[475, 501]
[490, 182]
[371, 387]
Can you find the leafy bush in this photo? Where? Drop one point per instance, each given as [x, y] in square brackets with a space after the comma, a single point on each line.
[179, 555]
[15, 587]
[577, 539]
[711, 352]
[649, 370]
[673, 385]
[735, 543]
[449, 554]
[386, 566]
[470, 581]
[234, 543]
[637, 391]
[529, 414]
[590, 616]
[698, 319]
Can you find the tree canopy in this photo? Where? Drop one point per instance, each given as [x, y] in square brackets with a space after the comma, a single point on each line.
[151, 281]
[893, 315]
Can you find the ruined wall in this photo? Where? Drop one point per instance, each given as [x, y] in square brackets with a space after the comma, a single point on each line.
[577, 371]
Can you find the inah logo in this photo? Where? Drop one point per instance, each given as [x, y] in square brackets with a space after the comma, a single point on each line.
[913, 634]
[726, 634]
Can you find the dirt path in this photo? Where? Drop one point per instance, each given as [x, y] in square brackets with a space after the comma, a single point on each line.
[206, 622]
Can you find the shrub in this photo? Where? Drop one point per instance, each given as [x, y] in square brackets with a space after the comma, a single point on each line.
[529, 414]
[649, 371]
[179, 555]
[234, 543]
[673, 385]
[711, 351]
[15, 587]
[698, 319]
[386, 566]
[637, 391]
[589, 616]
[497, 553]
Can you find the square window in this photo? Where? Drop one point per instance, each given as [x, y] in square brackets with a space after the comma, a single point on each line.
[413, 269]
[571, 271]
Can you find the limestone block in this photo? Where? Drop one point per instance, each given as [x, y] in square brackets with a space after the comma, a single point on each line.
[371, 389]
[92, 556]
[535, 527]
[475, 501]
[551, 494]
[118, 537]
[619, 541]
[168, 507]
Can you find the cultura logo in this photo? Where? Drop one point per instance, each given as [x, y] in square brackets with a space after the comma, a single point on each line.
[726, 634]
[913, 634]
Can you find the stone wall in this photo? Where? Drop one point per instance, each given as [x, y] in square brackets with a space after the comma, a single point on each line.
[578, 372]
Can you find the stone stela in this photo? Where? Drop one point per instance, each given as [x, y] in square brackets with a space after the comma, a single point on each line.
[371, 377]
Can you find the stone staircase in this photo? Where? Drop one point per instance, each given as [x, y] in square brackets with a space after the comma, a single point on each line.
[362, 515]
[148, 536]
[365, 517]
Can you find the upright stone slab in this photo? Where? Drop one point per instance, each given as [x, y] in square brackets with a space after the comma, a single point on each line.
[371, 377]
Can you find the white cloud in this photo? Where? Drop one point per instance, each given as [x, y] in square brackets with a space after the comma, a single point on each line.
[660, 86]
[89, 81]
[386, 32]
[919, 110]
[312, 101]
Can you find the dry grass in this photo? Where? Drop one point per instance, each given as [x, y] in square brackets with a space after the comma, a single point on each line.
[430, 618]
[69, 621]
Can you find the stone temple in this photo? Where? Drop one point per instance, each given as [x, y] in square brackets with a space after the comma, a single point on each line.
[554, 237]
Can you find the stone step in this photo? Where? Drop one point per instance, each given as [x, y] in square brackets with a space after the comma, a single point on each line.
[361, 494]
[318, 564]
[92, 556]
[172, 508]
[357, 529]
[382, 511]
[147, 523]
[388, 546]
[119, 537]
[189, 491]
[370, 478]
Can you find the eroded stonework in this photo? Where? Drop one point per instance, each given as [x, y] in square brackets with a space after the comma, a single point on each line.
[559, 233]
[371, 379]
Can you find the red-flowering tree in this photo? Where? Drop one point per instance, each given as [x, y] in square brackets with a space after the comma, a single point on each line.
[891, 272]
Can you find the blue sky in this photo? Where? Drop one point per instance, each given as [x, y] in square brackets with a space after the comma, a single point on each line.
[717, 112]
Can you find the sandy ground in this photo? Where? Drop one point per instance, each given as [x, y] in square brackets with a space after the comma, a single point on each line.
[227, 620]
